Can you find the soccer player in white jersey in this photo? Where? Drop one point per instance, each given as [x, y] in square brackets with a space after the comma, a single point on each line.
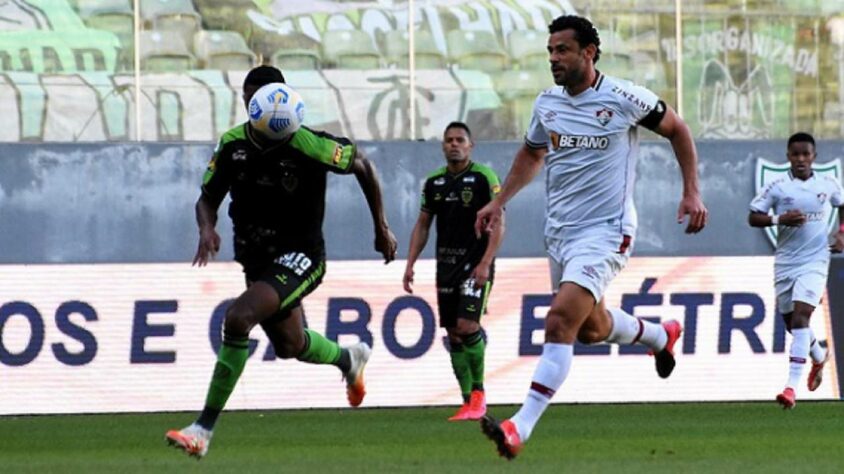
[802, 203]
[585, 131]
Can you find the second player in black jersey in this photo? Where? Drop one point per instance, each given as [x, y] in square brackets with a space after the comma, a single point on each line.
[453, 195]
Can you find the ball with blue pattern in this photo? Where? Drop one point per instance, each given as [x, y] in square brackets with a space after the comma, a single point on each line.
[276, 111]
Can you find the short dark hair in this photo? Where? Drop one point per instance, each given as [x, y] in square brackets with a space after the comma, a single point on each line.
[263, 75]
[801, 137]
[458, 125]
[584, 32]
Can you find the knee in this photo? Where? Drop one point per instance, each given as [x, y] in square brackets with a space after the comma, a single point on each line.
[591, 336]
[239, 319]
[287, 349]
[556, 324]
[466, 327]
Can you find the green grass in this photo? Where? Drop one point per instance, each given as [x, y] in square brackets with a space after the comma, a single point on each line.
[672, 438]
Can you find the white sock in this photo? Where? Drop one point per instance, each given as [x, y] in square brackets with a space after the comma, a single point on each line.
[816, 351]
[628, 329]
[800, 339]
[551, 371]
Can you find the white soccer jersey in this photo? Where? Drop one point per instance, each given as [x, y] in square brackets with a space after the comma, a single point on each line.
[592, 144]
[807, 246]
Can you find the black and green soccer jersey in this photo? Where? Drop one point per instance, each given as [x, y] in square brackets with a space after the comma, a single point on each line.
[455, 200]
[277, 192]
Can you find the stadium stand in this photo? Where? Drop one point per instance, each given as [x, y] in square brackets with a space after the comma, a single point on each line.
[165, 51]
[518, 91]
[349, 49]
[224, 50]
[115, 16]
[396, 50]
[178, 16]
[478, 50]
[295, 51]
[527, 49]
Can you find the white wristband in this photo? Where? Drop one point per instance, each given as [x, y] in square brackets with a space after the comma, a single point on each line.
[775, 219]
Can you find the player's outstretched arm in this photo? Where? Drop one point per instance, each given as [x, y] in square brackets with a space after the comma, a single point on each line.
[525, 166]
[418, 239]
[677, 132]
[385, 241]
[209, 239]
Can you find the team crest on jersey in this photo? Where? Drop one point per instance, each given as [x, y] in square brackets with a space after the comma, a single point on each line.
[466, 196]
[822, 197]
[768, 172]
[604, 116]
[289, 182]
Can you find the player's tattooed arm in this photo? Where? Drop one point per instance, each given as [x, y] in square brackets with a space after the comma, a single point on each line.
[385, 241]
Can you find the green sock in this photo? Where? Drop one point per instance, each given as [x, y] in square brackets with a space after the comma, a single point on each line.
[319, 350]
[461, 369]
[230, 362]
[475, 347]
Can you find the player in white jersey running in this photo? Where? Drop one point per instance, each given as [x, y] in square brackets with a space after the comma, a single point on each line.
[585, 129]
[802, 202]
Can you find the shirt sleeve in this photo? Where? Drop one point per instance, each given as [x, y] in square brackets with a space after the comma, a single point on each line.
[427, 201]
[837, 196]
[765, 200]
[636, 102]
[216, 181]
[536, 135]
[335, 153]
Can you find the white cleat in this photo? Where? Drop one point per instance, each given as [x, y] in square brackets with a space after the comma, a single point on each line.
[355, 388]
[193, 440]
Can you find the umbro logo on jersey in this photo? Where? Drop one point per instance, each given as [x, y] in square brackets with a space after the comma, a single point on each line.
[550, 114]
[604, 116]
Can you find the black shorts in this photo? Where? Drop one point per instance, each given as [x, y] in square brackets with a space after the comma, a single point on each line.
[293, 276]
[462, 301]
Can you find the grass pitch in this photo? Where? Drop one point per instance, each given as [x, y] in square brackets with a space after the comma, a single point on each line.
[672, 438]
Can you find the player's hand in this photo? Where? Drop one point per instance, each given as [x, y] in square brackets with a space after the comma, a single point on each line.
[385, 243]
[408, 279]
[209, 245]
[838, 245]
[693, 206]
[488, 218]
[480, 275]
[793, 218]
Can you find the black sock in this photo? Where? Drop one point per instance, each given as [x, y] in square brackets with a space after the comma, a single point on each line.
[345, 361]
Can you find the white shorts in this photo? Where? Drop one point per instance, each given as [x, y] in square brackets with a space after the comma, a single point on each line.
[590, 257]
[806, 287]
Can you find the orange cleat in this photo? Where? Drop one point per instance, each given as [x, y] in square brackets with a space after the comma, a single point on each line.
[355, 387]
[816, 374]
[462, 413]
[193, 440]
[787, 398]
[477, 405]
[504, 435]
[665, 358]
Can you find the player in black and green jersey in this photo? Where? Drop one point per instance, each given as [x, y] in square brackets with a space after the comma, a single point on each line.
[277, 206]
[465, 263]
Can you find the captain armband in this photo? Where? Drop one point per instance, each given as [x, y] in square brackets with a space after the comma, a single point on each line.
[652, 120]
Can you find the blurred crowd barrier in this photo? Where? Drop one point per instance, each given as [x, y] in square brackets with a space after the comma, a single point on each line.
[80, 70]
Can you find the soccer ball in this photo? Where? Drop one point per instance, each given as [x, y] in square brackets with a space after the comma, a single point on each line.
[276, 111]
